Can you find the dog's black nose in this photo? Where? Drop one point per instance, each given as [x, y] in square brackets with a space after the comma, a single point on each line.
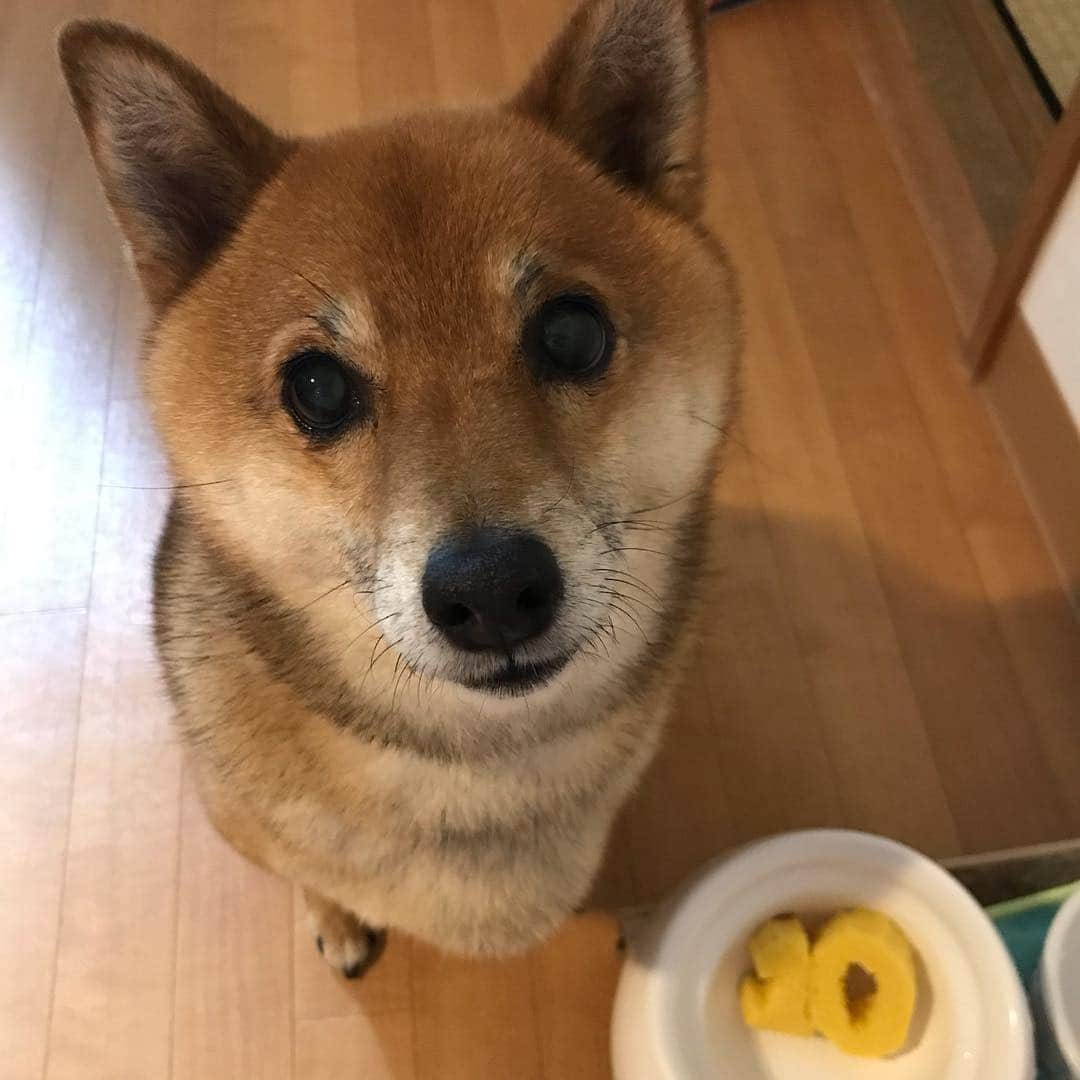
[491, 589]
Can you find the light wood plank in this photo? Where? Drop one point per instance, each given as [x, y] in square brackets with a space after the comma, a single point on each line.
[466, 50]
[574, 980]
[31, 103]
[775, 766]
[474, 1018]
[233, 1010]
[57, 316]
[113, 1003]
[525, 28]
[1044, 639]
[39, 700]
[679, 817]
[395, 58]
[871, 721]
[323, 93]
[355, 1048]
[43, 565]
[253, 55]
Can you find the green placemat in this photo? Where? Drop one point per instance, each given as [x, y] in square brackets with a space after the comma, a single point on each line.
[1024, 924]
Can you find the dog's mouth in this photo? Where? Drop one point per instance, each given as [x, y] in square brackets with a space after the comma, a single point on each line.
[519, 677]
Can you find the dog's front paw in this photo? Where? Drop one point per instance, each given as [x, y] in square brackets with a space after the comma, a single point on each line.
[347, 944]
[351, 951]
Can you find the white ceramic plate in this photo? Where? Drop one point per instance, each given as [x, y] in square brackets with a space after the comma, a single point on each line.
[1058, 999]
[676, 1013]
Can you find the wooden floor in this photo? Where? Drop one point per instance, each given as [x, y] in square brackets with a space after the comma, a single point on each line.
[889, 651]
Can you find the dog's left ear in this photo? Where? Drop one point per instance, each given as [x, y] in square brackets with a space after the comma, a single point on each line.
[625, 84]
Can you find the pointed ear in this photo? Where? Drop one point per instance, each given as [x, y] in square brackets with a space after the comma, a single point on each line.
[625, 84]
[179, 159]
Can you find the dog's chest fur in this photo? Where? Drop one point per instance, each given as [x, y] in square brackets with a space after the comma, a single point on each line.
[481, 853]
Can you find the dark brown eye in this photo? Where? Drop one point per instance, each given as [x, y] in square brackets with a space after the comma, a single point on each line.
[320, 394]
[570, 337]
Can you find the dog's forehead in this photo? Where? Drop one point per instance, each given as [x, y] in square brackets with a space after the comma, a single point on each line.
[445, 214]
[435, 208]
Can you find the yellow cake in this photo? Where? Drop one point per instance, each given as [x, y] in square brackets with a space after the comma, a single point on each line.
[875, 1023]
[776, 996]
[855, 985]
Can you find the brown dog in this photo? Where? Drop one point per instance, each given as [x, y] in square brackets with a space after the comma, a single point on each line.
[443, 399]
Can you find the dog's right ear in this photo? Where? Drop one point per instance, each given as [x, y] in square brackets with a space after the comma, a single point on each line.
[624, 83]
[180, 160]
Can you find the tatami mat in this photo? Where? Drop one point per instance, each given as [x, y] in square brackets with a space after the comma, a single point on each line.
[1052, 31]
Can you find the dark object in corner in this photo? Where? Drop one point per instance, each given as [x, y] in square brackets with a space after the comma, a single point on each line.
[716, 6]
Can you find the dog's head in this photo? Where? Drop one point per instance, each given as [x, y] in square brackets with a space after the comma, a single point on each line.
[452, 386]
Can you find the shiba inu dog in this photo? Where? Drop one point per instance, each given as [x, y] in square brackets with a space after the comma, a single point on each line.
[443, 398]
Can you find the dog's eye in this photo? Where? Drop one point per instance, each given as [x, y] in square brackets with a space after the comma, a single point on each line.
[319, 394]
[569, 338]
